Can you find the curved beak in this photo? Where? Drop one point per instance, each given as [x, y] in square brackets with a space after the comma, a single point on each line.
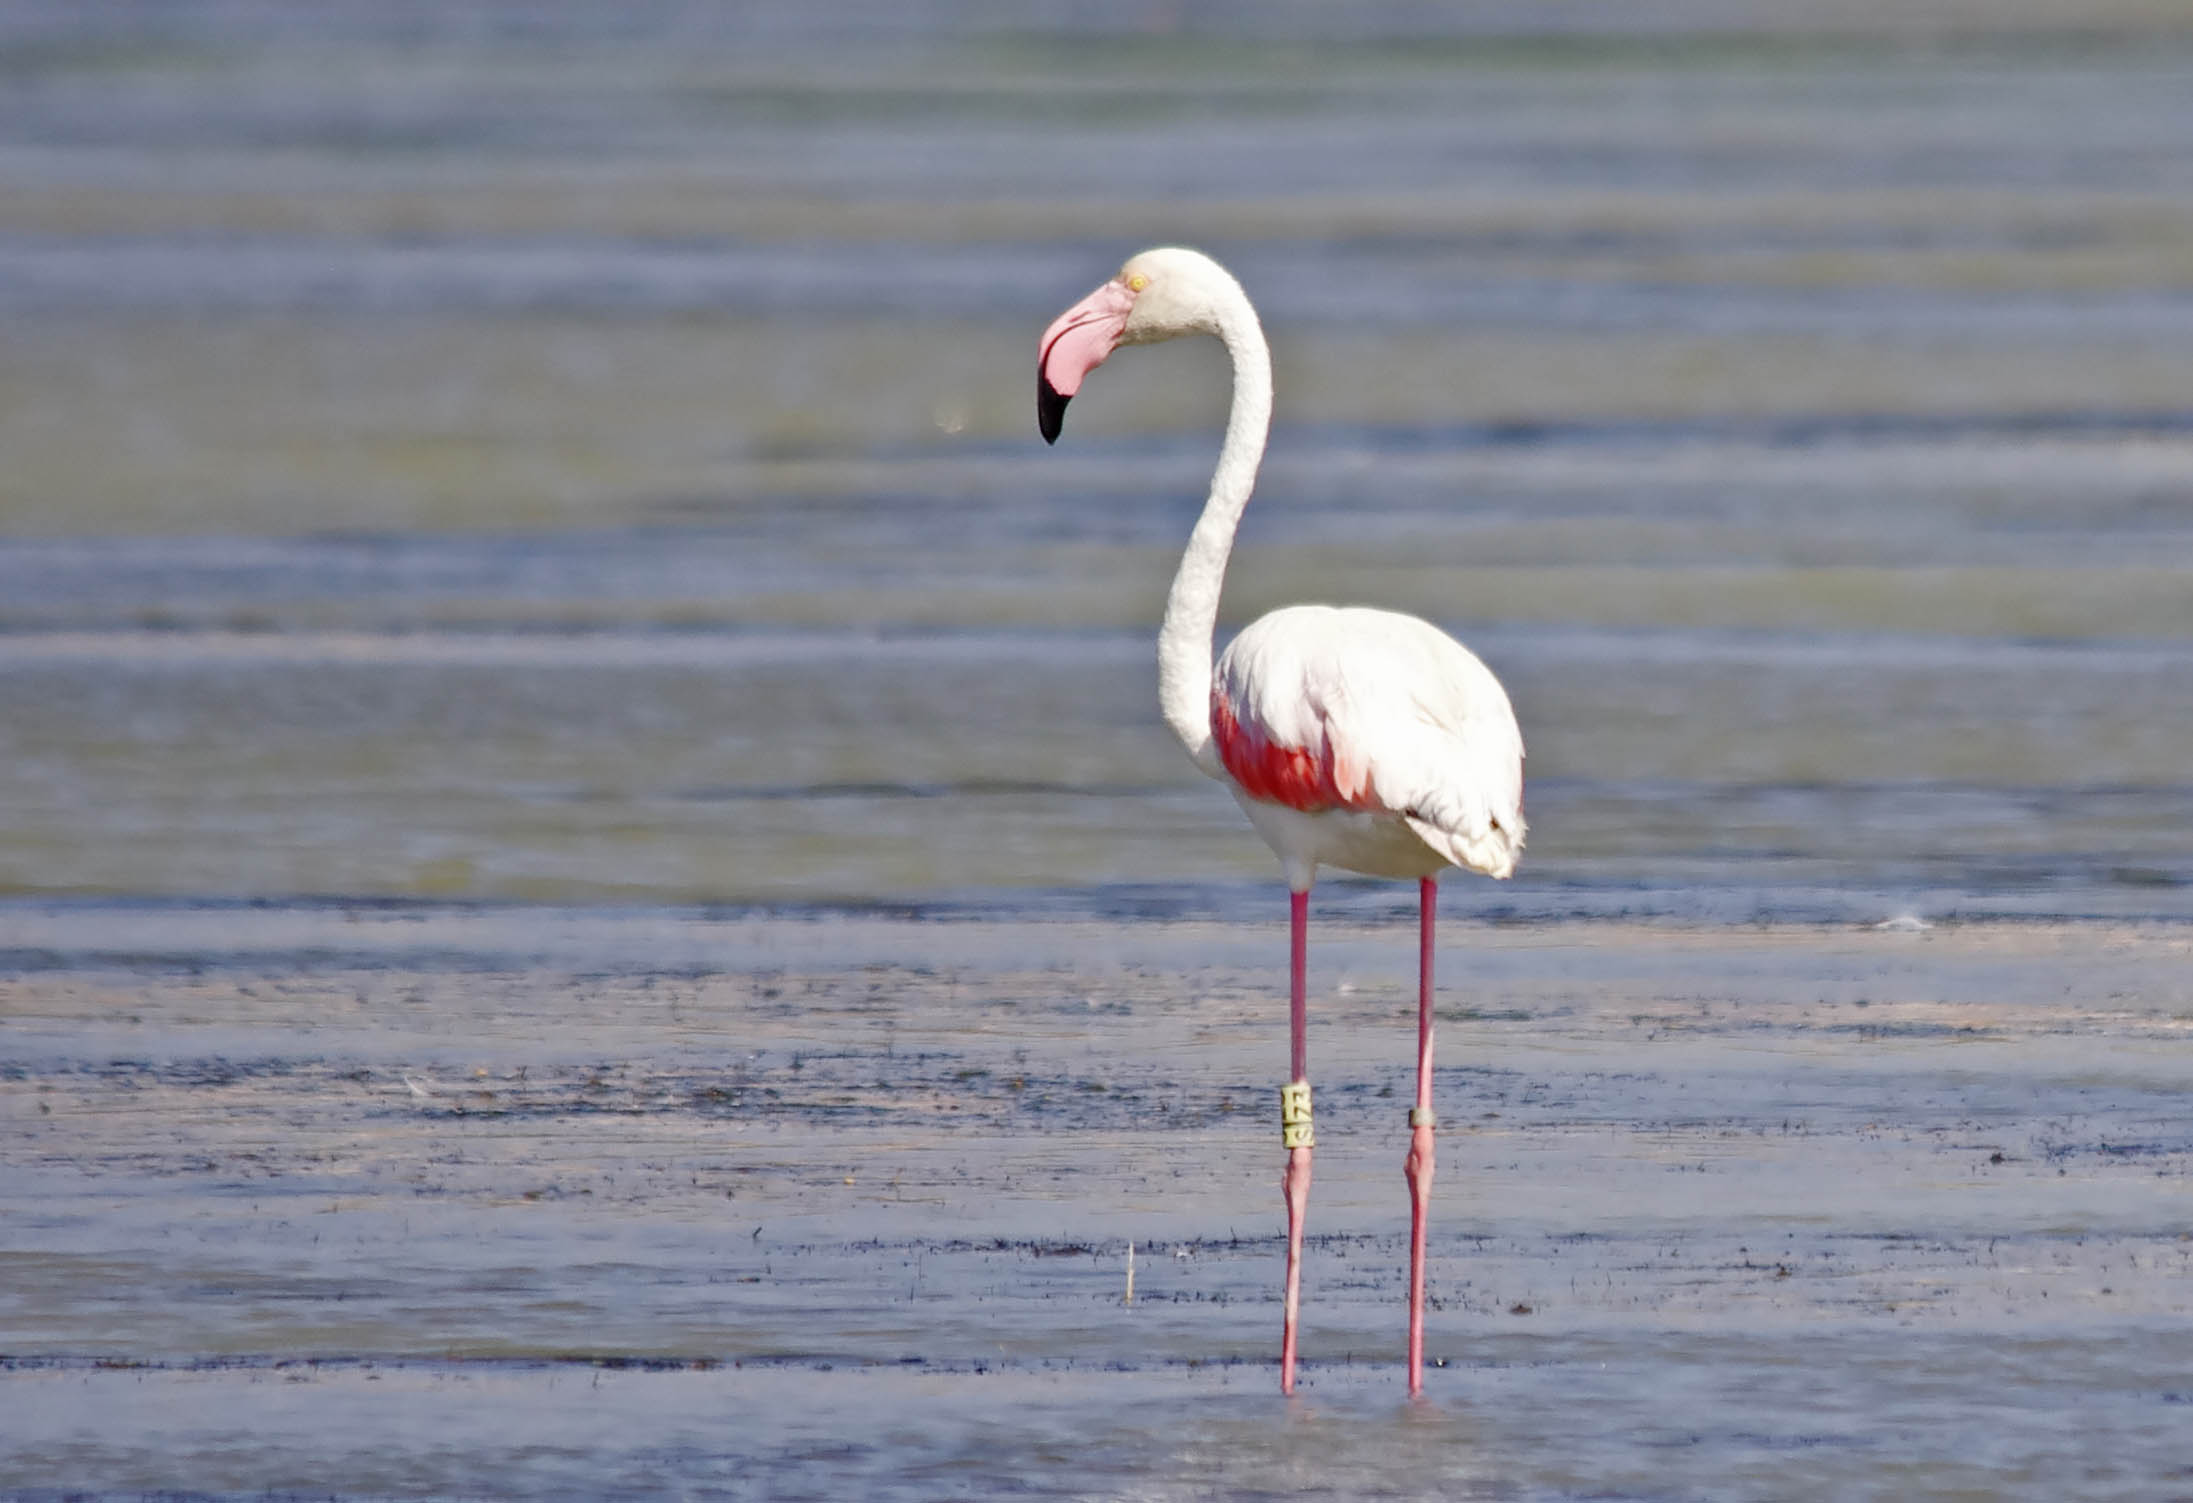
[1077, 343]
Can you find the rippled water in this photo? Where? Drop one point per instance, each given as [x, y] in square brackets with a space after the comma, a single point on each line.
[571, 477]
[450, 459]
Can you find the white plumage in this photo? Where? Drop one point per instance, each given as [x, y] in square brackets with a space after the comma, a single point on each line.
[1418, 733]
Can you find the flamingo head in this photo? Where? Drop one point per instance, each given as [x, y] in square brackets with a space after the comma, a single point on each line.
[1160, 294]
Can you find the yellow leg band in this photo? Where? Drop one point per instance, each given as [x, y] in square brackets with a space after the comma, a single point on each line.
[1296, 1130]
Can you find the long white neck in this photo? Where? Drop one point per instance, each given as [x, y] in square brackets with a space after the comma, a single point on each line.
[1191, 611]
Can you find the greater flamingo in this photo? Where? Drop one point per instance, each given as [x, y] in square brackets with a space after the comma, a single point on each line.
[1355, 738]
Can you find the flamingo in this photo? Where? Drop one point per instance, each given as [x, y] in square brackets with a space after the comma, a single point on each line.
[1357, 738]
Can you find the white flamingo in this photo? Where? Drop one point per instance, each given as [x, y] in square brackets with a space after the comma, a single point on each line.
[1355, 738]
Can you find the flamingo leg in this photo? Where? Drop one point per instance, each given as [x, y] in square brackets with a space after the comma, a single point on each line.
[1295, 1127]
[1421, 1121]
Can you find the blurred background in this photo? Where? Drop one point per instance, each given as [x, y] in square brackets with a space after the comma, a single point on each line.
[585, 453]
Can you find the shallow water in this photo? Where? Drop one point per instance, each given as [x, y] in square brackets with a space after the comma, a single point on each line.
[576, 464]
[455, 1200]
[592, 896]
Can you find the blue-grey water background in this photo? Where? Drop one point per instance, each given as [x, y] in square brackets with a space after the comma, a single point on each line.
[495, 474]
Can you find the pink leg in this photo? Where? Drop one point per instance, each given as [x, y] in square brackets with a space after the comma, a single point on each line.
[1421, 1121]
[1294, 1184]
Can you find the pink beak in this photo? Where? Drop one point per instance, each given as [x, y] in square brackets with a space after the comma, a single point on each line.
[1077, 343]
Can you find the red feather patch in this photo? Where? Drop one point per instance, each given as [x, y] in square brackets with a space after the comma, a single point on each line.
[1290, 775]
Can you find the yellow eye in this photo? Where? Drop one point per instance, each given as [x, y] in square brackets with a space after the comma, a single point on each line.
[1137, 282]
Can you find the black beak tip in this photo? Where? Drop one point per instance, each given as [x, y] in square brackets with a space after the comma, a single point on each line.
[1050, 410]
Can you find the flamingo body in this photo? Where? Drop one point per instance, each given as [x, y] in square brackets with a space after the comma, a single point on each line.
[1355, 738]
[1370, 741]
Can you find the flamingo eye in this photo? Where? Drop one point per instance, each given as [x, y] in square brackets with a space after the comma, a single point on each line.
[1137, 282]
